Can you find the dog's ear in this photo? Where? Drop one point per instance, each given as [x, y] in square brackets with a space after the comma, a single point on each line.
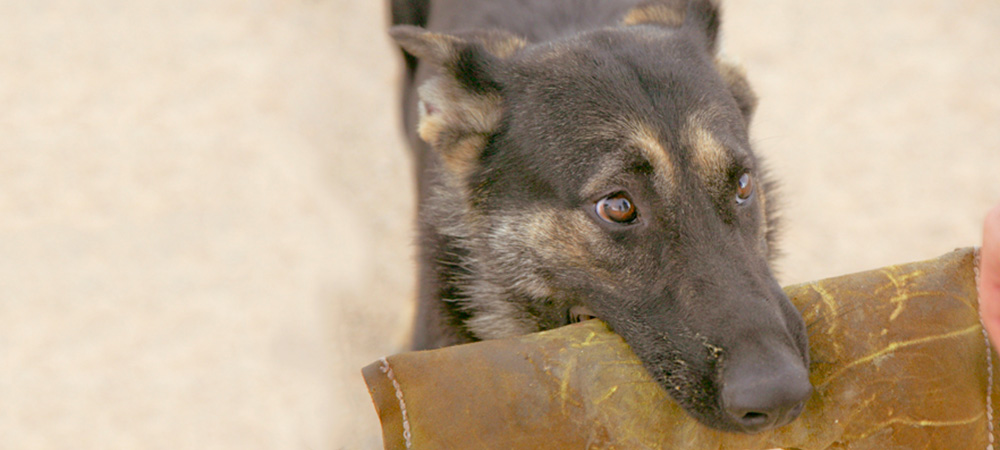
[699, 16]
[462, 105]
[739, 87]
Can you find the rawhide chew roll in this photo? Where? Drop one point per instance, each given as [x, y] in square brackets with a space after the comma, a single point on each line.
[899, 361]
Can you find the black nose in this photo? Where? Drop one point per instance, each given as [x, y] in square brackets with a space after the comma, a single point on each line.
[758, 396]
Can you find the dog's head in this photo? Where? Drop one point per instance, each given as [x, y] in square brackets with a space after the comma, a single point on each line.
[610, 174]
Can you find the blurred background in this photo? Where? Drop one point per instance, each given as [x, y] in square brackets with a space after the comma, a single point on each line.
[206, 206]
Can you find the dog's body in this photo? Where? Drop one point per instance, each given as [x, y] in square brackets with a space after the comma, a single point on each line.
[584, 158]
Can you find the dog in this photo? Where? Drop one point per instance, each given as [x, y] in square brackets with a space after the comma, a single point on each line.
[581, 159]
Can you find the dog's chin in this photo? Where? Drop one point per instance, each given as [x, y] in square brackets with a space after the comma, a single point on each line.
[706, 409]
[710, 417]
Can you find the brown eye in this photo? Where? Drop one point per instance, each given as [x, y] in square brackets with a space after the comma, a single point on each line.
[617, 208]
[744, 188]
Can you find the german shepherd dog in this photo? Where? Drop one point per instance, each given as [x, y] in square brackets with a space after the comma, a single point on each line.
[590, 158]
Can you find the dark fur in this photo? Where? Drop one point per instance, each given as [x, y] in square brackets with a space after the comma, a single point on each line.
[535, 110]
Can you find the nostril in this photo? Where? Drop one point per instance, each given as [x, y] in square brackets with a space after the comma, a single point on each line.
[755, 420]
[755, 410]
[580, 313]
[752, 421]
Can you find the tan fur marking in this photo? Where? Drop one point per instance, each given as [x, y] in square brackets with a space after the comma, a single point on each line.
[570, 239]
[552, 238]
[457, 108]
[657, 14]
[500, 320]
[520, 244]
[559, 238]
[645, 138]
[710, 157]
[460, 157]
[502, 44]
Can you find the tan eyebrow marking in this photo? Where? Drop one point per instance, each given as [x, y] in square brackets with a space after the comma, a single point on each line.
[710, 157]
[708, 154]
[645, 139]
[661, 14]
[641, 141]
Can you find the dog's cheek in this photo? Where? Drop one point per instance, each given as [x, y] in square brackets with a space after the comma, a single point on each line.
[567, 245]
[764, 227]
[562, 240]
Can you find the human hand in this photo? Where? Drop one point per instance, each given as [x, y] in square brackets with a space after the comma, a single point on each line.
[989, 276]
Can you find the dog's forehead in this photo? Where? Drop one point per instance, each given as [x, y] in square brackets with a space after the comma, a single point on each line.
[657, 38]
[612, 82]
[620, 96]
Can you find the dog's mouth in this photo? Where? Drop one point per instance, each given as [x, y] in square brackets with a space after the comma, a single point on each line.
[580, 313]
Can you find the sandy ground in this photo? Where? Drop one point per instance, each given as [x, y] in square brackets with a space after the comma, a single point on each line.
[205, 206]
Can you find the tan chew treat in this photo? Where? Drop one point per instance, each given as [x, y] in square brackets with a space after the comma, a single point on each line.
[899, 361]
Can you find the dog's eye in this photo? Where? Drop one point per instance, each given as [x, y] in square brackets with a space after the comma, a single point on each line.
[744, 188]
[617, 208]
